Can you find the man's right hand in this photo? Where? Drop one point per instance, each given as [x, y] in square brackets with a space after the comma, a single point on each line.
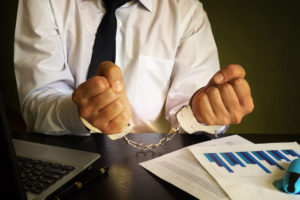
[102, 100]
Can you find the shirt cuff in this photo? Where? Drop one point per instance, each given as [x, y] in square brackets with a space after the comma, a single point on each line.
[68, 116]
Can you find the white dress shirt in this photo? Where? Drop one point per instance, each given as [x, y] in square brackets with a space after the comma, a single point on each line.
[165, 49]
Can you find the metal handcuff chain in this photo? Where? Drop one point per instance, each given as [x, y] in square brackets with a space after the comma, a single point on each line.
[145, 147]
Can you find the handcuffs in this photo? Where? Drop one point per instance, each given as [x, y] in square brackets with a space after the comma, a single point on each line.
[186, 121]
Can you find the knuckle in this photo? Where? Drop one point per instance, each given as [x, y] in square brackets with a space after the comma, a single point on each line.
[243, 71]
[100, 82]
[223, 118]
[235, 70]
[236, 118]
[202, 97]
[212, 91]
[119, 105]
[225, 87]
[224, 121]
[104, 63]
[111, 94]
[209, 122]
[231, 70]
[111, 71]
[238, 82]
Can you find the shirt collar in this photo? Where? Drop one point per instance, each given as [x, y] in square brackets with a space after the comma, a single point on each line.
[146, 3]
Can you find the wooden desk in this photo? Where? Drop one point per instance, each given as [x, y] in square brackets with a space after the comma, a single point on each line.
[126, 179]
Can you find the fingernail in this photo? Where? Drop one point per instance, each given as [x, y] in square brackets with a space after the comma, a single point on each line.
[219, 78]
[118, 86]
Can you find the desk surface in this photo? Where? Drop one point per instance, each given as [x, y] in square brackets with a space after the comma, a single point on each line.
[127, 179]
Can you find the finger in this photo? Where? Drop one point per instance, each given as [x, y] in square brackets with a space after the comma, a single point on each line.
[118, 124]
[204, 109]
[243, 92]
[112, 110]
[90, 88]
[196, 94]
[113, 74]
[229, 97]
[102, 100]
[218, 107]
[195, 107]
[231, 103]
[108, 113]
[228, 73]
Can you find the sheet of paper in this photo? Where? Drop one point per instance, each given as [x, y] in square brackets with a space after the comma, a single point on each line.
[248, 171]
[181, 169]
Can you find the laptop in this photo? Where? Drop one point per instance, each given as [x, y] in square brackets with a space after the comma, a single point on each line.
[33, 171]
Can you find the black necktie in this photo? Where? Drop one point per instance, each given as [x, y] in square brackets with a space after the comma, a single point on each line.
[105, 42]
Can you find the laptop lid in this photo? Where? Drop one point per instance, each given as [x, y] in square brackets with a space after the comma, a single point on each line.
[11, 186]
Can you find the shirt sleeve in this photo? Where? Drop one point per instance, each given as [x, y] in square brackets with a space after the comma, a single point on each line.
[195, 63]
[45, 82]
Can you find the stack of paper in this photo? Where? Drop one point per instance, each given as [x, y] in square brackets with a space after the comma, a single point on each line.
[181, 169]
[248, 171]
[227, 168]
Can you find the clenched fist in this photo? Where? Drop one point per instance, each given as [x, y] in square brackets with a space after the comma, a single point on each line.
[102, 100]
[225, 100]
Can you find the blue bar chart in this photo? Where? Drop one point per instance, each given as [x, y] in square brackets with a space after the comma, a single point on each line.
[264, 160]
[248, 171]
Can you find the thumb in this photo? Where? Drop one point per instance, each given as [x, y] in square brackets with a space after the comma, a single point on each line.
[227, 74]
[113, 74]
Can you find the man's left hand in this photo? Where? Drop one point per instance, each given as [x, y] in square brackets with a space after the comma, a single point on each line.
[225, 100]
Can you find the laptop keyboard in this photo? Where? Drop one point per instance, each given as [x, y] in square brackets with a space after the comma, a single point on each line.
[38, 175]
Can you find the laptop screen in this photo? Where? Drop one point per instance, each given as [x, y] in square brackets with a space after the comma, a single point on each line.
[11, 187]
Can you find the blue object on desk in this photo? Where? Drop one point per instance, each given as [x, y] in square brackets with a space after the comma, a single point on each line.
[291, 181]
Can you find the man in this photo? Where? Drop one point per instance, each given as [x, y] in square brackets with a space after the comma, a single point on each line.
[165, 58]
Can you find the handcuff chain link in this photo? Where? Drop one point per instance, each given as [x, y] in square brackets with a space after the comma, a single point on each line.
[144, 147]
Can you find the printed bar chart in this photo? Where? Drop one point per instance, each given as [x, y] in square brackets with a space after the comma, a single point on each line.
[213, 157]
[263, 159]
[248, 171]
[291, 152]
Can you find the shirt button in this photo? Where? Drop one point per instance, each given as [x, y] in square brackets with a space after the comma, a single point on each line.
[119, 23]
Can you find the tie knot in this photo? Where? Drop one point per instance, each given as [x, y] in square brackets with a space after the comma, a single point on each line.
[112, 5]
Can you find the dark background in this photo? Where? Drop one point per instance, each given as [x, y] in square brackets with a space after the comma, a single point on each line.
[263, 36]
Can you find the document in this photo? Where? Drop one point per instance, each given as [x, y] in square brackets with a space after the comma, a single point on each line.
[248, 171]
[181, 169]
